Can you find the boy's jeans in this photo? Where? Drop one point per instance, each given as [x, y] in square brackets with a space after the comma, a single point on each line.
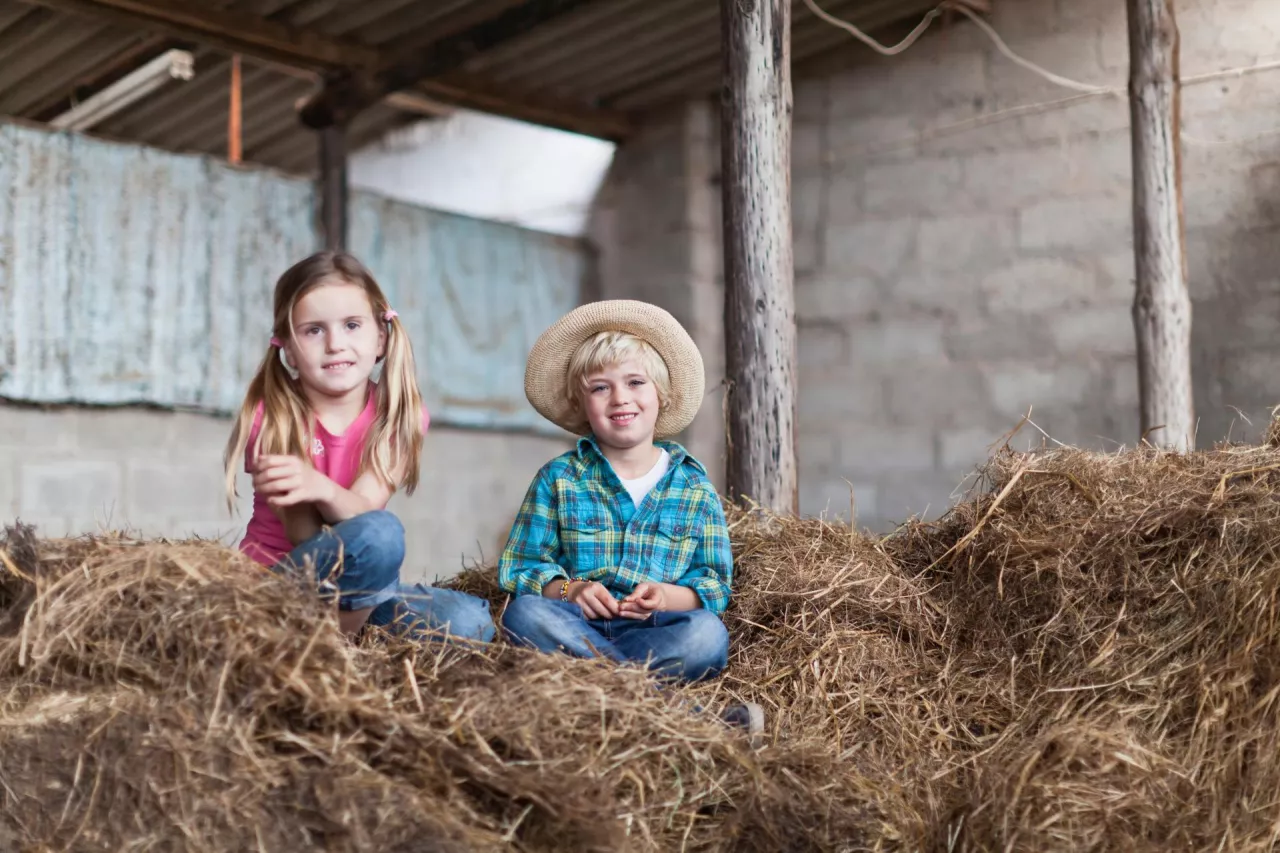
[370, 548]
[686, 645]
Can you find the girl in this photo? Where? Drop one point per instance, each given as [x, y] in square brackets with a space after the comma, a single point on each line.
[331, 426]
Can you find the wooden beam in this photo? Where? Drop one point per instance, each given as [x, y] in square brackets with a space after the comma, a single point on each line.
[233, 113]
[234, 32]
[333, 186]
[1161, 305]
[476, 94]
[760, 324]
[457, 90]
[348, 94]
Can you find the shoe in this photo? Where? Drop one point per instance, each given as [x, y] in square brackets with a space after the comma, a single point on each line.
[749, 717]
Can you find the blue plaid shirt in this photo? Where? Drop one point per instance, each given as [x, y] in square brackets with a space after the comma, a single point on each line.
[578, 521]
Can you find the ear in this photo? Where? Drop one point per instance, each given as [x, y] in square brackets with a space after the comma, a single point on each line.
[382, 340]
[288, 365]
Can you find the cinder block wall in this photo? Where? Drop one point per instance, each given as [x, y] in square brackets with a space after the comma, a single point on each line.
[963, 257]
[79, 470]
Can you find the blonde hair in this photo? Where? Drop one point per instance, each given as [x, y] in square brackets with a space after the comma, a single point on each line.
[394, 442]
[609, 349]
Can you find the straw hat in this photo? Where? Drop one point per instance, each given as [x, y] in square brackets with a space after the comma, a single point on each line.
[547, 372]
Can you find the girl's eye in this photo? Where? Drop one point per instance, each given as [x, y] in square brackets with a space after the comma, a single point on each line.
[637, 382]
[597, 389]
[312, 330]
[353, 325]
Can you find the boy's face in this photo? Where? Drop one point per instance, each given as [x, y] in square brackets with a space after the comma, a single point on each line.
[621, 404]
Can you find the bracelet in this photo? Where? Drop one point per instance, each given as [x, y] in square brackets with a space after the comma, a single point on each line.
[564, 589]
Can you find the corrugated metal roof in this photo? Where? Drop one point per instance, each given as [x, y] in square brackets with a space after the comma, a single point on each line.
[626, 55]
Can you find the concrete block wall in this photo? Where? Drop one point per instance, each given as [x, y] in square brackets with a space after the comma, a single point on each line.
[154, 473]
[964, 257]
[656, 220]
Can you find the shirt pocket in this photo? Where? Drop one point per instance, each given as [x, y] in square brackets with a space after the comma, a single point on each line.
[673, 547]
[583, 534]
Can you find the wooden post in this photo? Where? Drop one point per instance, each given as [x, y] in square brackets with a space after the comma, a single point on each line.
[1161, 305]
[233, 118]
[333, 186]
[760, 327]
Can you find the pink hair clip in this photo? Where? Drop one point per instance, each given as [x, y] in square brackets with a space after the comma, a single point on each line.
[276, 342]
[389, 315]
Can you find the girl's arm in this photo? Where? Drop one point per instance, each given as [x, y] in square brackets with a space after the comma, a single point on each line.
[288, 482]
[366, 494]
[300, 522]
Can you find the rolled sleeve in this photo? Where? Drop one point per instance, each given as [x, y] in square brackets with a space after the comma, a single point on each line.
[710, 572]
[530, 560]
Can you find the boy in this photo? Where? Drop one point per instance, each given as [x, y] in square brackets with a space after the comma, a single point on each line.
[620, 548]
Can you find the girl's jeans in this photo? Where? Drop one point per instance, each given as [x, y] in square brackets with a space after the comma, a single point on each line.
[368, 549]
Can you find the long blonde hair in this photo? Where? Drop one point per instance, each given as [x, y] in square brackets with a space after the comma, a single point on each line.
[394, 442]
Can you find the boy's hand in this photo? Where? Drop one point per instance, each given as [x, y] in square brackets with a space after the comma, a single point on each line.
[288, 481]
[643, 600]
[594, 599]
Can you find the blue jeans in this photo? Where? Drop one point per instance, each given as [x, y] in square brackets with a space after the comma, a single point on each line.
[358, 561]
[688, 645]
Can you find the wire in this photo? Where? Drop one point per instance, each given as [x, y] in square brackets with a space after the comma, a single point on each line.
[911, 38]
[1087, 90]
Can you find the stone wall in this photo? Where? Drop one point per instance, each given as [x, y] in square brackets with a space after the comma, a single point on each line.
[154, 473]
[963, 244]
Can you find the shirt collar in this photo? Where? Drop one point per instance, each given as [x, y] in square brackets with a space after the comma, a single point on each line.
[587, 445]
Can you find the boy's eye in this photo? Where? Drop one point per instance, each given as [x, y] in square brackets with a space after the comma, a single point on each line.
[599, 388]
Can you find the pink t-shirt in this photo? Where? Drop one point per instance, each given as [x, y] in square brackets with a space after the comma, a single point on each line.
[335, 456]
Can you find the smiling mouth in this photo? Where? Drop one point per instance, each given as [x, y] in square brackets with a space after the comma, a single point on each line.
[624, 418]
[339, 365]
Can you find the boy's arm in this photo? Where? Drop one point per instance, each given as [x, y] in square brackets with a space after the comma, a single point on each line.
[528, 563]
[710, 572]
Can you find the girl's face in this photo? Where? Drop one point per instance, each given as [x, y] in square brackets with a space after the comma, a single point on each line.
[621, 404]
[336, 340]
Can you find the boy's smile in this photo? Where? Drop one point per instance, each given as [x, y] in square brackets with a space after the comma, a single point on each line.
[621, 404]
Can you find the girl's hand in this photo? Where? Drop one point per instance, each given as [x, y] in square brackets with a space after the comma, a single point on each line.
[288, 481]
[646, 598]
[594, 599]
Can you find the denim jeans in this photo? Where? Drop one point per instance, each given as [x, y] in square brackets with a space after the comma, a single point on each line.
[368, 549]
[686, 645]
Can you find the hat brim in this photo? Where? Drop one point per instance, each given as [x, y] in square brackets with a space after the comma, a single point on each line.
[547, 370]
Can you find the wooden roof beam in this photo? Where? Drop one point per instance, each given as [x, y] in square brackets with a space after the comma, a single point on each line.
[308, 53]
[346, 94]
[234, 32]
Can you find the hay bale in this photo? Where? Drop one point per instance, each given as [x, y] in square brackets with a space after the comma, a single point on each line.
[160, 696]
[1079, 785]
[1083, 654]
[1138, 590]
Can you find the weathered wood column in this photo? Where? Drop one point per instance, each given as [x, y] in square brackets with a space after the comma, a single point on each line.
[1161, 305]
[760, 326]
[333, 186]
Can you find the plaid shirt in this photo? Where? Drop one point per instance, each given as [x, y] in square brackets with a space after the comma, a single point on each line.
[578, 521]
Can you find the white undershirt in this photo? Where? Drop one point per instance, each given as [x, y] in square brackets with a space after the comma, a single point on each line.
[640, 487]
